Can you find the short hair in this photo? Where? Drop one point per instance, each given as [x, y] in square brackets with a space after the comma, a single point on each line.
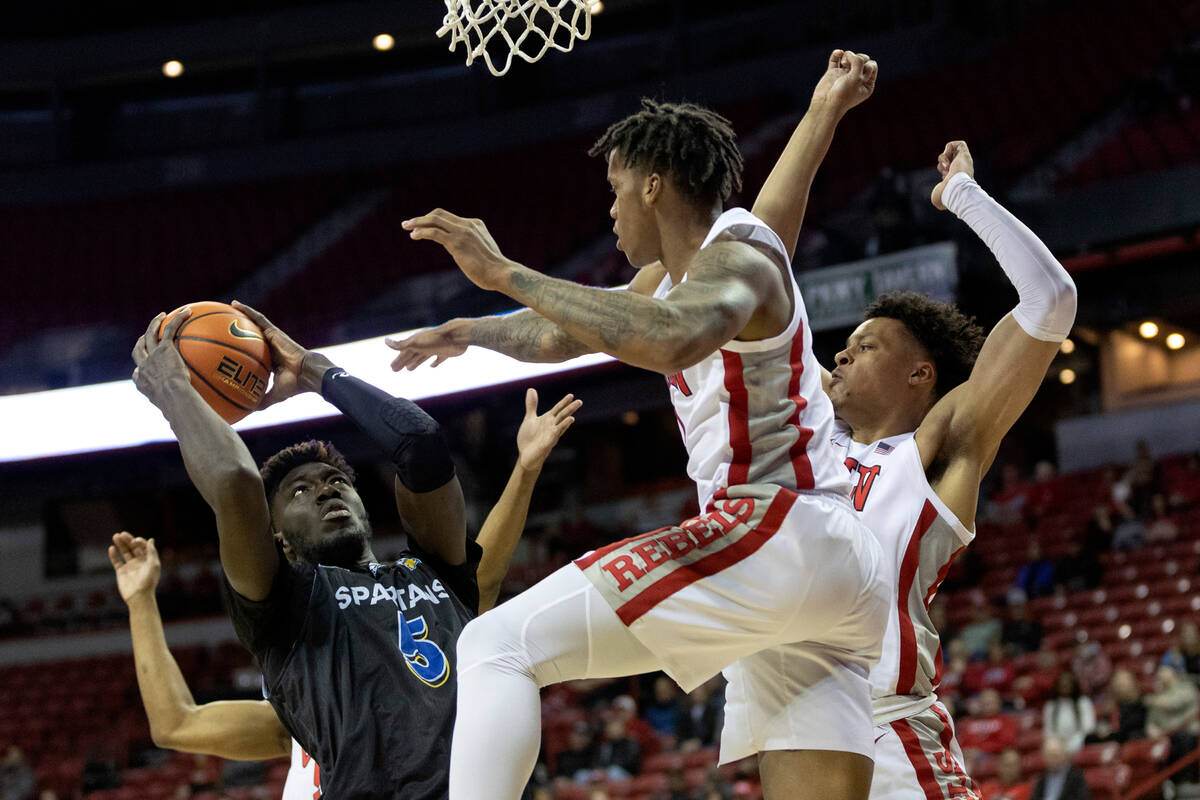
[692, 144]
[951, 338]
[276, 468]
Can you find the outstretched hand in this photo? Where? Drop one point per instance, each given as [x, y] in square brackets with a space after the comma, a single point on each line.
[468, 243]
[287, 361]
[954, 159]
[849, 79]
[136, 563]
[539, 433]
[443, 342]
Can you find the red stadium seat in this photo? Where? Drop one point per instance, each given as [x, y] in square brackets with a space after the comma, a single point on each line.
[1096, 755]
[1108, 781]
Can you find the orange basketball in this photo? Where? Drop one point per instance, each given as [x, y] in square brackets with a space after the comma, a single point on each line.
[229, 360]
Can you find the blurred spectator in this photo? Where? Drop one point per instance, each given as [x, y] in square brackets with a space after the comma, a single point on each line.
[989, 731]
[618, 753]
[1008, 501]
[1173, 706]
[48, 794]
[676, 787]
[1184, 656]
[575, 762]
[1042, 497]
[624, 708]
[1092, 667]
[1038, 685]
[1159, 525]
[662, 713]
[1007, 785]
[1019, 631]
[1069, 715]
[955, 670]
[1144, 479]
[715, 787]
[1097, 536]
[702, 715]
[1081, 568]
[1125, 719]
[984, 627]
[1060, 780]
[1036, 576]
[17, 781]
[1129, 532]
[996, 673]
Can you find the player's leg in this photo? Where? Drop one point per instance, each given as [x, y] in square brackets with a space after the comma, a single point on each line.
[831, 774]
[559, 630]
[918, 757]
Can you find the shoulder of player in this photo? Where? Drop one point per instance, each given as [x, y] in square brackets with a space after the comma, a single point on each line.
[647, 279]
[729, 258]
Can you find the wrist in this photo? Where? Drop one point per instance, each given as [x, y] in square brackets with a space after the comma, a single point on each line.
[143, 600]
[313, 367]
[825, 110]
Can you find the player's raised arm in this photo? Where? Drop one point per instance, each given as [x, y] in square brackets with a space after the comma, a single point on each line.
[849, 79]
[428, 494]
[969, 422]
[725, 281]
[245, 730]
[216, 459]
[502, 529]
[525, 335]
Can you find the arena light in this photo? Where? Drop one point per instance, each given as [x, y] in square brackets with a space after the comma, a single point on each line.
[1067, 347]
[384, 42]
[172, 69]
[1066, 376]
[111, 416]
[1148, 330]
[595, 7]
[1176, 341]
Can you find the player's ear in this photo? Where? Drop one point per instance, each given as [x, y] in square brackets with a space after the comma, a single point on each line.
[288, 553]
[652, 189]
[923, 372]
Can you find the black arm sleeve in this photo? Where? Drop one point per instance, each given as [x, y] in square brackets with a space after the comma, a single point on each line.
[411, 438]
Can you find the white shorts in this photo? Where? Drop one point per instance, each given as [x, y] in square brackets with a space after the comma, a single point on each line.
[918, 758]
[763, 566]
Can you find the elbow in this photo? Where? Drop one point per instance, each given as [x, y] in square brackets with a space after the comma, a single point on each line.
[164, 736]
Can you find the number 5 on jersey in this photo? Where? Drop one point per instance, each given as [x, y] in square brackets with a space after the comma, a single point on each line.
[424, 658]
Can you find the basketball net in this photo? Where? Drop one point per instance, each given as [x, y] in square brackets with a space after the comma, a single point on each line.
[525, 28]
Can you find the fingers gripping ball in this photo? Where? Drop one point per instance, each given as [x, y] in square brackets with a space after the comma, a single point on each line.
[229, 360]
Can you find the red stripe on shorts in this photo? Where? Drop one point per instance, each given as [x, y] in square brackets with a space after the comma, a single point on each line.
[947, 738]
[586, 561]
[688, 574]
[916, 756]
[906, 676]
[739, 419]
[801, 465]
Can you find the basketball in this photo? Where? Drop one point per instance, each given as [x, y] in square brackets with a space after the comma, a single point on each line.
[229, 360]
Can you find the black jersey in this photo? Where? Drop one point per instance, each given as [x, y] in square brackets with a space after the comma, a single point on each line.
[360, 666]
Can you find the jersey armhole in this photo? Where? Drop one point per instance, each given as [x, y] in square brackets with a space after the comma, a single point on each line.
[964, 535]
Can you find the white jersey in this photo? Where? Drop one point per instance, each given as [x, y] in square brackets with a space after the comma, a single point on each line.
[920, 538]
[755, 412]
[304, 777]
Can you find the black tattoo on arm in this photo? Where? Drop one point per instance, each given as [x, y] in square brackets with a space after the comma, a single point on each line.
[527, 336]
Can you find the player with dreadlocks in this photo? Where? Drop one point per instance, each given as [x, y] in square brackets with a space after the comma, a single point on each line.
[776, 554]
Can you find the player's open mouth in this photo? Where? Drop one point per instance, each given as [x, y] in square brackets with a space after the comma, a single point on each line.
[336, 513]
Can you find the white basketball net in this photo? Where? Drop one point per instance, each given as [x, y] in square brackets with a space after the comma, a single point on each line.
[525, 28]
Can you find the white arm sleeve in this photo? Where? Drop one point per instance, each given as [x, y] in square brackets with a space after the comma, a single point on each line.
[1046, 310]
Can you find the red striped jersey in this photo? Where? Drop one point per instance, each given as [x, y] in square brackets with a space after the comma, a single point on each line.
[755, 412]
[921, 538]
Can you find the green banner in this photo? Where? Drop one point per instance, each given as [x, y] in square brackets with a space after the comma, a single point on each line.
[836, 296]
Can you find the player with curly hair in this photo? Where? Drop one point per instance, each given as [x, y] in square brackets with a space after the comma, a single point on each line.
[922, 403]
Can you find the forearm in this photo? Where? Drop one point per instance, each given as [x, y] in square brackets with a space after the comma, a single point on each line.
[526, 336]
[783, 199]
[501, 531]
[1046, 310]
[164, 691]
[642, 331]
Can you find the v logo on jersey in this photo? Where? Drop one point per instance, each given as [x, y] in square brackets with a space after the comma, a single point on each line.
[240, 333]
[866, 478]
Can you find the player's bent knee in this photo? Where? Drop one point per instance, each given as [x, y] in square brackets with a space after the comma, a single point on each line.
[487, 641]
